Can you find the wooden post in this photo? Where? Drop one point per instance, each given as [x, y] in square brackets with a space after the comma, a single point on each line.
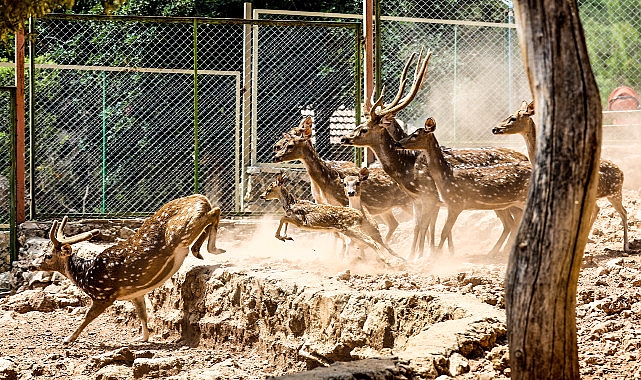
[20, 114]
[543, 269]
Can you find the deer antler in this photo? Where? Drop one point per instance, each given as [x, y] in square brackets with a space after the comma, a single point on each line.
[58, 238]
[419, 77]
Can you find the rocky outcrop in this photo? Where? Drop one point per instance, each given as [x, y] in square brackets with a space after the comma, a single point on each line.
[297, 315]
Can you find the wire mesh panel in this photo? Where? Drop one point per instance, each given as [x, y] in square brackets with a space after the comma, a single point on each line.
[131, 113]
[5, 159]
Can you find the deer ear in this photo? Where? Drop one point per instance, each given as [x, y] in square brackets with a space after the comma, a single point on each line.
[65, 250]
[308, 122]
[430, 124]
[530, 108]
[363, 174]
[307, 132]
[387, 119]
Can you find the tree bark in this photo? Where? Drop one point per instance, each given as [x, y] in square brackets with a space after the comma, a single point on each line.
[544, 264]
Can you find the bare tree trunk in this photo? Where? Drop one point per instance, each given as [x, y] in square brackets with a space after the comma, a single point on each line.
[544, 265]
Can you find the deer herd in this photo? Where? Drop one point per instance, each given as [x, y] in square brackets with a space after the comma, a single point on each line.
[417, 175]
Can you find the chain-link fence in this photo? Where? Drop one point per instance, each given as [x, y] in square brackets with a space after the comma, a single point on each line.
[131, 113]
[8, 132]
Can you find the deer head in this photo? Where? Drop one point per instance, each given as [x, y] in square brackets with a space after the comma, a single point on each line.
[290, 147]
[419, 138]
[273, 190]
[59, 250]
[381, 116]
[517, 122]
[352, 183]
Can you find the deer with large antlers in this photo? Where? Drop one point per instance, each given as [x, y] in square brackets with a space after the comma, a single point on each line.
[610, 184]
[143, 262]
[380, 194]
[323, 217]
[381, 131]
[496, 187]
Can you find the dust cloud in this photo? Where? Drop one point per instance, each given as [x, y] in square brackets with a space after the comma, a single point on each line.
[254, 243]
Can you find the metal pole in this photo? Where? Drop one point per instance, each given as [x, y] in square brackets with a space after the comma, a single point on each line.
[104, 143]
[358, 75]
[247, 102]
[378, 48]
[13, 142]
[19, 82]
[195, 106]
[510, 20]
[455, 83]
[32, 118]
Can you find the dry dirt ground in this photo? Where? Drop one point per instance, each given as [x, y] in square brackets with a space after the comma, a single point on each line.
[608, 311]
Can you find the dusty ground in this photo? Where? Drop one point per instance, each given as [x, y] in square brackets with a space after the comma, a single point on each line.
[608, 311]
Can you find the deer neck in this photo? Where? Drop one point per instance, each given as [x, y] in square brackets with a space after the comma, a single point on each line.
[76, 269]
[440, 169]
[286, 199]
[319, 171]
[355, 203]
[398, 164]
[529, 134]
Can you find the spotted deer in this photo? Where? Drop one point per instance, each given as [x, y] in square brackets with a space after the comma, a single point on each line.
[380, 194]
[610, 183]
[496, 187]
[143, 262]
[409, 169]
[318, 217]
[353, 185]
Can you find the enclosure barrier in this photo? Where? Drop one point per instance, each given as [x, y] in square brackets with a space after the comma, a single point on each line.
[131, 112]
[8, 165]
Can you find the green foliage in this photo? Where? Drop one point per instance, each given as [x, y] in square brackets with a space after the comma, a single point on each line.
[613, 36]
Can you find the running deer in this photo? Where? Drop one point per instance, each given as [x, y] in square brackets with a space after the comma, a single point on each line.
[409, 169]
[610, 184]
[496, 187]
[318, 217]
[380, 194]
[134, 267]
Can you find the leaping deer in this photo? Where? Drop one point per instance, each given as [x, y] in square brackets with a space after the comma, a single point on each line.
[497, 187]
[143, 262]
[318, 217]
[610, 184]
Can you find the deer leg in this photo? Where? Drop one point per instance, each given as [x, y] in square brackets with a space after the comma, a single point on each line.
[446, 234]
[390, 221]
[508, 222]
[141, 310]
[195, 248]
[418, 225]
[616, 201]
[517, 214]
[97, 307]
[361, 238]
[278, 235]
[214, 218]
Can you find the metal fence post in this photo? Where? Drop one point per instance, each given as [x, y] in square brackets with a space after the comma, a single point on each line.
[32, 117]
[247, 102]
[13, 184]
[103, 206]
[195, 106]
[358, 77]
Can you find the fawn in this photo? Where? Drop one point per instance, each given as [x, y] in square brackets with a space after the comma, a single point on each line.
[143, 262]
[313, 216]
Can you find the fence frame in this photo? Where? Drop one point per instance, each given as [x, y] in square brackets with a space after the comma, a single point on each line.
[13, 169]
[246, 130]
